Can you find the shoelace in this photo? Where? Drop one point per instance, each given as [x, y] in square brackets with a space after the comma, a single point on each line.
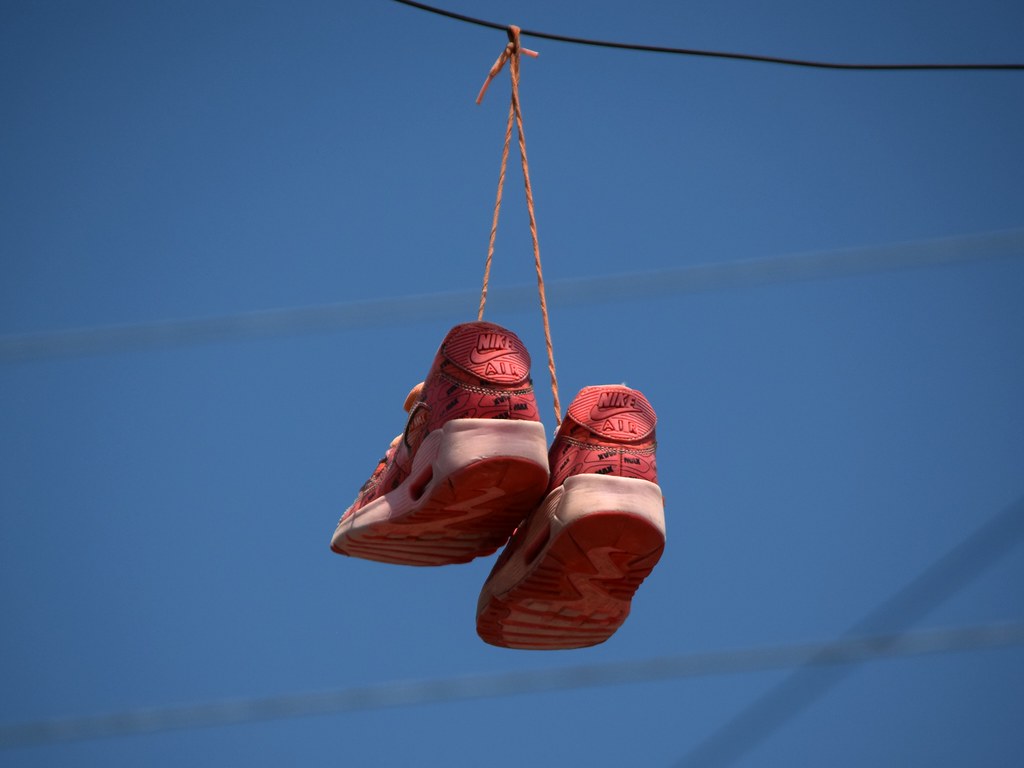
[511, 55]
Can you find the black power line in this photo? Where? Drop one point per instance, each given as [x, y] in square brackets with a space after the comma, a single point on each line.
[710, 54]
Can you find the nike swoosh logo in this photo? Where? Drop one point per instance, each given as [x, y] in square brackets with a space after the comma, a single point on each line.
[477, 357]
[599, 414]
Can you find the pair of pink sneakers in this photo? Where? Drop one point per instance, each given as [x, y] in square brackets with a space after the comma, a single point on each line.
[584, 523]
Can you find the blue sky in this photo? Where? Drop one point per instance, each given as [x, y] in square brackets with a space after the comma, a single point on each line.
[166, 510]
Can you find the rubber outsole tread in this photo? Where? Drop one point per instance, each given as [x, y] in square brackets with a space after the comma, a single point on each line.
[579, 589]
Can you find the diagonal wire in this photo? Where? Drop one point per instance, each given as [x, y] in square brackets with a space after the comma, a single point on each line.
[357, 315]
[418, 693]
[711, 54]
[806, 684]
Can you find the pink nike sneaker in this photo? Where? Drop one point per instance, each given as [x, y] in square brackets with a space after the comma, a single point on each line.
[470, 465]
[567, 576]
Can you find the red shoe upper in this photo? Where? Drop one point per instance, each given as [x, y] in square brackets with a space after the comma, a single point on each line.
[608, 430]
[481, 371]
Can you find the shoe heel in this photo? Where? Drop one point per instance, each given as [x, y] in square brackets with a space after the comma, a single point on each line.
[585, 495]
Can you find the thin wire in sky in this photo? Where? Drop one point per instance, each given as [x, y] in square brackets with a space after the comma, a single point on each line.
[712, 54]
[646, 286]
[452, 689]
[879, 634]
[806, 684]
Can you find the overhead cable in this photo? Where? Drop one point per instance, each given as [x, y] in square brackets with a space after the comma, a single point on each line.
[418, 693]
[376, 313]
[806, 684]
[712, 54]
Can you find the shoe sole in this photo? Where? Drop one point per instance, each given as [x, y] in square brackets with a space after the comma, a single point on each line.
[472, 482]
[585, 553]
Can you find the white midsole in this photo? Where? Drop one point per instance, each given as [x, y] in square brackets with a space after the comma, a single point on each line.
[453, 446]
[581, 495]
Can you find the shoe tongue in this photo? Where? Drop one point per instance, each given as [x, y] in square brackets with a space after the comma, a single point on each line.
[616, 412]
[412, 397]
